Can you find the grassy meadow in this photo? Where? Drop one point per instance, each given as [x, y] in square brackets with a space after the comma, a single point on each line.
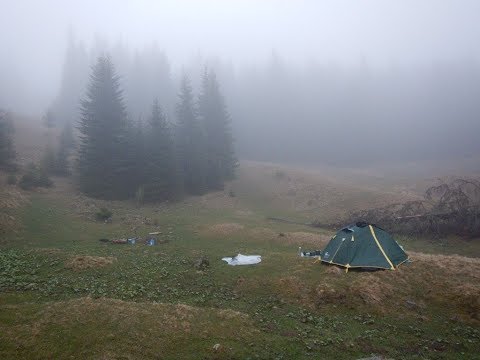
[65, 294]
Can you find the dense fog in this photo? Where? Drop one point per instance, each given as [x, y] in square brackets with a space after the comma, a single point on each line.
[338, 82]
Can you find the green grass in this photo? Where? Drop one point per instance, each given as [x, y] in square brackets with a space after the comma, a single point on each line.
[130, 308]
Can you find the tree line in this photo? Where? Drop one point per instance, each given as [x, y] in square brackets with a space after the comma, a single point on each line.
[7, 150]
[156, 160]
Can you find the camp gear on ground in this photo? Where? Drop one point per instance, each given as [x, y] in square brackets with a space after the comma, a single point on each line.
[314, 253]
[363, 245]
[119, 241]
[151, 242]
[243, 259]
[132, 241]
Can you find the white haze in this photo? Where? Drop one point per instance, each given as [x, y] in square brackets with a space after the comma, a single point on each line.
[297, 75]
[381, 32]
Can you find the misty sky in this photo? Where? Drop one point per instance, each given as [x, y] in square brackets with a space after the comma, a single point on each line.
[381, 32]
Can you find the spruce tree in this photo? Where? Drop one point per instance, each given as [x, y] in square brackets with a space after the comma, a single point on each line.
[103, 150]
[7, 151]
[73, 81]
[190, 140]
[160, 175]
[136, 155]
[221, 160]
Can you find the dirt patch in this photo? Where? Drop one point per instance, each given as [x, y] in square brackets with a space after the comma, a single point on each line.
[244, 213]
[49, 251]
[335, 270]
[225, 228]
[292, 289]
[372, 289]
[83, 262]
[10, 199]
[263, 233]
[454, 265]
[467, 300]
[328, 294]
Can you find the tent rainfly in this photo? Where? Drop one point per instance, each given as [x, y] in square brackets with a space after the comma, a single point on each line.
[363, 245]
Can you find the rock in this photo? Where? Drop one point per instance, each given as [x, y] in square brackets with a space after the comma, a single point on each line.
[411, 304]
[202, 263]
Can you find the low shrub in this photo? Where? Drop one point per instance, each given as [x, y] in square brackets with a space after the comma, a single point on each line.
[11, 179]
[103, 214]
[35, 177]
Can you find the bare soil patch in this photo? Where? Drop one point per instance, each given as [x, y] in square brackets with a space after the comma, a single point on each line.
[11, 198]
[224, 229]
[84, 262]
[263, 233]
[454, 265]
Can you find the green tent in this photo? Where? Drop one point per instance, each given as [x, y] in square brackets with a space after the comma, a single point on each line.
[363, 245]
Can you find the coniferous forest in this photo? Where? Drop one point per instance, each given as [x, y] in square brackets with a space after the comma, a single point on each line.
[157, 159]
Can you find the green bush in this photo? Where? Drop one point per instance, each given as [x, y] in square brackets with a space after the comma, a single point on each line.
[11, 179]
[103, 214]
[35, 177]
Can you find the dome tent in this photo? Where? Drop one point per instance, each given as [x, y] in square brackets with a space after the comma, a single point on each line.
[363, 245]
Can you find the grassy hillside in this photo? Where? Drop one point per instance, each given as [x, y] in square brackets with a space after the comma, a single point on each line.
[66, 294]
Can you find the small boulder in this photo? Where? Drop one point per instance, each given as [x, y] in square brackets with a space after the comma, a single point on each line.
[202, 263]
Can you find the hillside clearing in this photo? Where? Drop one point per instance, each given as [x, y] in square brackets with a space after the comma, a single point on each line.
[65, 293]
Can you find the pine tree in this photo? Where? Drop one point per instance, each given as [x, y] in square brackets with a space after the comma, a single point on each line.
[190, 140]
[7, 151]
[103, 150]
[221, 160]
[160, 175]
[136, 155]
[73, 81]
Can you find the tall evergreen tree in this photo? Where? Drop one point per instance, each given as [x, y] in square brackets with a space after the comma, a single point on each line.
[103, 150]
[136, 155]
[73, 81]
[190, 141]
[216, 121]
[7, 151]
[160, 174]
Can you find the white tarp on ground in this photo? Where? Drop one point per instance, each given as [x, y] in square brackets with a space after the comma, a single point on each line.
[243, 259]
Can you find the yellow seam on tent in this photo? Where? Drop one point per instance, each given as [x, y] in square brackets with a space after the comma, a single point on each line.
[357, 266]
[380, 247]
[333, 257]
[402, 262]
